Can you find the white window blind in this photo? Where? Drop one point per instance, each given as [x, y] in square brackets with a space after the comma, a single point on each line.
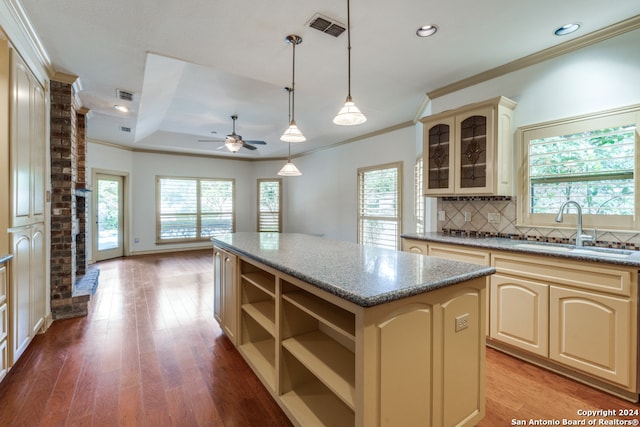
[379, 201]
[269, 205]
[193, 208]
[594, 168]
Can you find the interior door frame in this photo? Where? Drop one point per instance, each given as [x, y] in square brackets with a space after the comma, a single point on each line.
[125, 210]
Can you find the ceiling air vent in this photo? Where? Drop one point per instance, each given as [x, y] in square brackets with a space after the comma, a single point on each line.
[125, 129]
[124, 95]
[327, 25]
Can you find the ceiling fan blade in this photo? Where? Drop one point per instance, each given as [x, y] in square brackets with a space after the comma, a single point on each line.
[211, 140]
[250, 147]
[249, 141]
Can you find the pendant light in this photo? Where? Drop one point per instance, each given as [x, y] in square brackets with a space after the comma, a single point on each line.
[293, 133]
[289, 169]
[349, 115]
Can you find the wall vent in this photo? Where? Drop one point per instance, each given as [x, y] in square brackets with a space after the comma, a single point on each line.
[125, 129]
[124, 95]
[327, 25]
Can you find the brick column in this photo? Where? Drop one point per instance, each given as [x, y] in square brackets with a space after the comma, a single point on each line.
[65, 122]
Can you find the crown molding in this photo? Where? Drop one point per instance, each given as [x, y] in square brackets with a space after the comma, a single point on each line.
[614, 30]
[23, 37]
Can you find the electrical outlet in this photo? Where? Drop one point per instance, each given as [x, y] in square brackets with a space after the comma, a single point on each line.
[493, 218]
[462, 322]
[441, 216]
[467, 216]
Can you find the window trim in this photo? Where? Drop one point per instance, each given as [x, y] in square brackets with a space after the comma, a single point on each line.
[397, 165]
[279, 181]
[160, 241]
[419, 207]
[572, 125]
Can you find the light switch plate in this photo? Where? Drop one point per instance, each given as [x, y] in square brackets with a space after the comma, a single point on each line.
[467, 216]
[441, 216]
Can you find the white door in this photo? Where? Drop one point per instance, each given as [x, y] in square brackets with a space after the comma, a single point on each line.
[108, 230]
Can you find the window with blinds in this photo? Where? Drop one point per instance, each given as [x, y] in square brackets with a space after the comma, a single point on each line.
[270, 205]
[193, 209]
[379, 201]
[419, 197]
[590, 160]
[594, 168]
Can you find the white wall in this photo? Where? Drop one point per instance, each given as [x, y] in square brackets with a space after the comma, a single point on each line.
[595, 78]
[323, 200]
[142, 169]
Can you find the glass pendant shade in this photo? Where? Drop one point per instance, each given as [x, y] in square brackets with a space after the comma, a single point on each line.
[349, 115]
[233, 145]
[289, 169]
[293, 133]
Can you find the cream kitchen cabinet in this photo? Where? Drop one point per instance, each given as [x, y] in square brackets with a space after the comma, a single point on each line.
[224, 285]
[27, 145]
[575, 317]
[4, 321]
[456, 253]
[591, 332]
[468, 151]
[327, 360]
[520, 315]
[28, 293]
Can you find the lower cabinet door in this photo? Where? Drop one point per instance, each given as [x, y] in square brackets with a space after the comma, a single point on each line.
[519, 314]
[591, 332]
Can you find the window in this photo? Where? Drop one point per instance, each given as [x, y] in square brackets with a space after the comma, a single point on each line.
[269, 205]
[590, 160]
[419, 197]
[379, 201]
[192, 209]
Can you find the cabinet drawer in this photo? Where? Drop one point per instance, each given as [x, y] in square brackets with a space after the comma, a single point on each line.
[3, 284]
[415, 246]
[4, 359]
[592, 276]
[459, 254]
[4, 325]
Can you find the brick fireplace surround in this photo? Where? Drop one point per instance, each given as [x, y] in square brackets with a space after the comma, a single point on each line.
[70, 292]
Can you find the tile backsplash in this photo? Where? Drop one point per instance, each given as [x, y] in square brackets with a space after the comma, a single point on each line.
[496, 217]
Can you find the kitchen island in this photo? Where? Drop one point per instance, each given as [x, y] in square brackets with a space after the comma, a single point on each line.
[345, 334]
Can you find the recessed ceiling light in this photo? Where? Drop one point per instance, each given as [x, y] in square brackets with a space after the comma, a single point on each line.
[566, 29]
[121, 108]
[426, 30]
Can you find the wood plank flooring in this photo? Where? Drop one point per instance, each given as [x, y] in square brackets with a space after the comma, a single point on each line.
[150, 354]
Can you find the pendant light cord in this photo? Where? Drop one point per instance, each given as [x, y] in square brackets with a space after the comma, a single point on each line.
[348, 50]
[293, 83]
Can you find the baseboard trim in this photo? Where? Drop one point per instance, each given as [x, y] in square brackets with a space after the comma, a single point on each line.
[564, 371]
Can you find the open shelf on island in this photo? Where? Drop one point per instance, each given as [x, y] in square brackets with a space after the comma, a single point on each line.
[263, 313]
[329, 361]
[261, 356]
[310, 400]
[337, 318]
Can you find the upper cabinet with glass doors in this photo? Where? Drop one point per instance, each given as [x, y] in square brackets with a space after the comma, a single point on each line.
[468, 151]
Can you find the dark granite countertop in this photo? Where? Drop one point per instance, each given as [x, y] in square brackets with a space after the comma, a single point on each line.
[364, 275]
[587, 253]
[4, 258]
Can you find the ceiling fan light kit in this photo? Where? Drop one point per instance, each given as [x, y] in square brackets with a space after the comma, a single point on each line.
[349, 114]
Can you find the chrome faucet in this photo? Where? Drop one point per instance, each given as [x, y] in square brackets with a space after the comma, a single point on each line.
[580, 238]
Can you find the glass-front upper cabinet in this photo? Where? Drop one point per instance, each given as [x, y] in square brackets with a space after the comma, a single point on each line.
[468, 151]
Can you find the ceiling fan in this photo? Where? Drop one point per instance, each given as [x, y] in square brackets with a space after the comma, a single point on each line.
[234, 142]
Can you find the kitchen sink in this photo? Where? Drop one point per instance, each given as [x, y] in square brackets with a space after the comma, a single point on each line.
[596, 252]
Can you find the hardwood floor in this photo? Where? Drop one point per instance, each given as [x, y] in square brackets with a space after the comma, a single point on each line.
[150, 354]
